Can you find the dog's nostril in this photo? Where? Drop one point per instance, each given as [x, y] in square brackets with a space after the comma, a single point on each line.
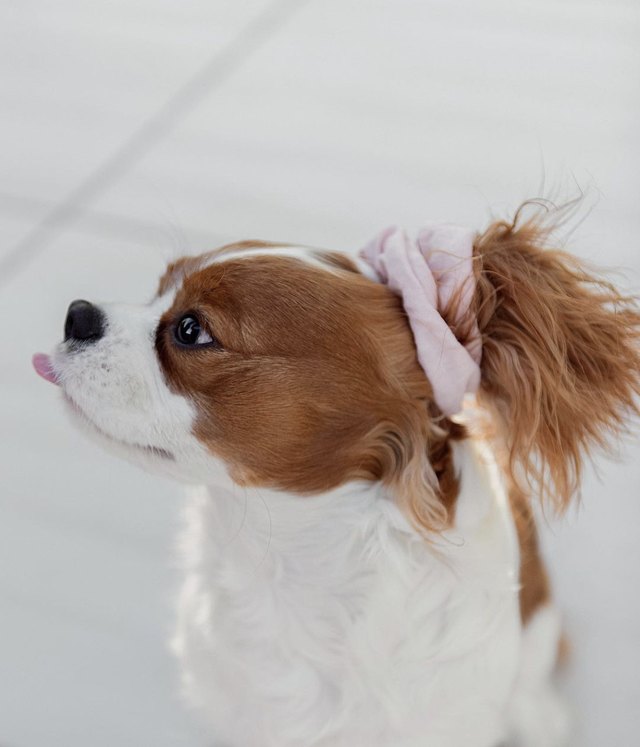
[84, 322]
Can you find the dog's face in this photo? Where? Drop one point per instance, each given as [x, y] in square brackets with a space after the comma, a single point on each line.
[287, 367]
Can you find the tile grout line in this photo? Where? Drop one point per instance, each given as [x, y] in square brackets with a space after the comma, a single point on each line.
[100, 223]
[221, 66]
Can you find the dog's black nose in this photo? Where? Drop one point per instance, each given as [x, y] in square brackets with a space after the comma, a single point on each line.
[84, 322]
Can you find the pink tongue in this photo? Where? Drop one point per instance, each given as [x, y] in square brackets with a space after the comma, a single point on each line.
[43, 366]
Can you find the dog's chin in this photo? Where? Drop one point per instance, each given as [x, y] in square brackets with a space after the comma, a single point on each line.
[204, 469]
[188, 462]
[150, 457]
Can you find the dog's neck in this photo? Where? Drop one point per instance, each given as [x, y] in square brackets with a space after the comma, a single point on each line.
[291, 602]
[251, 529]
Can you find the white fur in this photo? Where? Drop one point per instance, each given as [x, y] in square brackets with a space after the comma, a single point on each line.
[329, 620]
[305, 254]
[538, 715]
[119, 397]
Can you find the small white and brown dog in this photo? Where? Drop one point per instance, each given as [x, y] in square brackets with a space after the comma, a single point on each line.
[362, 567]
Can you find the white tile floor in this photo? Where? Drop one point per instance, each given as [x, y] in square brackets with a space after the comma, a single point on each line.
[311, 121]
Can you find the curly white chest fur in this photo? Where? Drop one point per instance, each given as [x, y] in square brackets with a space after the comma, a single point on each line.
[329, 621]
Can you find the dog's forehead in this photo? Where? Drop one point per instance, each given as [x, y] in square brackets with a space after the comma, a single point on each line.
[278, 263]
[180, 269]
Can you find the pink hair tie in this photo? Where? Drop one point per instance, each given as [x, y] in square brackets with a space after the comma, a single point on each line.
[426, 274]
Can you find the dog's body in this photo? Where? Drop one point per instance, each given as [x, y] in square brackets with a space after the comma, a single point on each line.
[336, 624]
[362, 568]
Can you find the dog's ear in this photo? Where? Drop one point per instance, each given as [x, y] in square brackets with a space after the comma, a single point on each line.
[408, 447]
[561, 362]
[418, 468]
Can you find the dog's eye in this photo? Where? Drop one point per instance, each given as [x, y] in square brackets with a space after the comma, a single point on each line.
[189, 332]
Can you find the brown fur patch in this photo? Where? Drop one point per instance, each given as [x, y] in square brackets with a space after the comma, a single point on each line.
[175, 272]
[335, 259]
[317, 382]
[534, 581]
[561, 356]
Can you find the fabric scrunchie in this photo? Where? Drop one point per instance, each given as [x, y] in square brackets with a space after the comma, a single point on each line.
[426, 274]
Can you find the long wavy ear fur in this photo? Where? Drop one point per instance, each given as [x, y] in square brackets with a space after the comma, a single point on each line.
[561, 359]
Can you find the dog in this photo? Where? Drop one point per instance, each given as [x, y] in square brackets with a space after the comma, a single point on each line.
[362, 437]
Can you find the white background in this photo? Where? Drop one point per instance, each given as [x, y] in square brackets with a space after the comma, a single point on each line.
[135, 130]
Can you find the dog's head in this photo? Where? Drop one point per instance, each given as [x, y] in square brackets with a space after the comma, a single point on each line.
[286, 366]
[293, 369]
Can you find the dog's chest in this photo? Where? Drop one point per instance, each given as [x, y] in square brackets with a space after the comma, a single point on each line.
[331, 622]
